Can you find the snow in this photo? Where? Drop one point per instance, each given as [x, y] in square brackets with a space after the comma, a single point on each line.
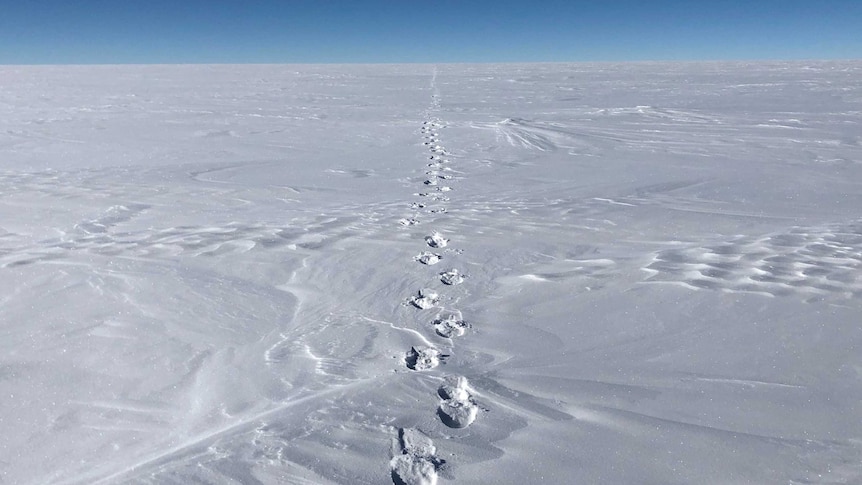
[429, 258]
[210, 273]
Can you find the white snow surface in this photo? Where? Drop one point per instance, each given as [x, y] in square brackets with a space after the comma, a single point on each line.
[205, 280]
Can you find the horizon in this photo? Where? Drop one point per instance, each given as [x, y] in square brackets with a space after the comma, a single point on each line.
[98, 32]
[448, 63]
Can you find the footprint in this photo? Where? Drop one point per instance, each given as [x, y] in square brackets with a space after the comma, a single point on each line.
[436, 240]
[428, 258]
[443, 188]
[457, 409]
[423, 358]
[416, 461]
[426, 298]
[458, 414]
[431, 182]
[449, 324]
[408, 222]
[435, 173]
[408, 469]
[451, 277]
[417, 205]
[454, 387]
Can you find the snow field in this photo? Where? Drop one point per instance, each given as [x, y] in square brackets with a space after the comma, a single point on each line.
[225, 274]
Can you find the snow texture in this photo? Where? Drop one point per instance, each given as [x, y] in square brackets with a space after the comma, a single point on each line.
[206, 273]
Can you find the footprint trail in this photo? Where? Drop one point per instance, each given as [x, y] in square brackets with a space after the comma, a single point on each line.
[416, 462]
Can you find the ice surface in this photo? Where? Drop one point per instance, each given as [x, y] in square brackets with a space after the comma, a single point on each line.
[207, 273]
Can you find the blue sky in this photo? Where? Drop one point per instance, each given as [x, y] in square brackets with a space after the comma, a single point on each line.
[265, 31]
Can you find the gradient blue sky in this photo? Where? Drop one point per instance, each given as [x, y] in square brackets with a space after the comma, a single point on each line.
[266, 31]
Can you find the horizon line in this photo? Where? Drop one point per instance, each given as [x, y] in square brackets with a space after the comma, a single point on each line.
[349, 63]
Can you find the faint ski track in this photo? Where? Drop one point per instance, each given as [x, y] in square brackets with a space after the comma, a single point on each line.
[743, 382]
[403, 329]
[156, 460]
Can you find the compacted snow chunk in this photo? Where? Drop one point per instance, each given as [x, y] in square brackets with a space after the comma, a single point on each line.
[451, 277]
[428, 258]
[422, 358]
[436, 240]
[425, 298]
[450, 324]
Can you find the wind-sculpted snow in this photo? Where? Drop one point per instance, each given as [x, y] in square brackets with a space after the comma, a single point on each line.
[813, 263]
[562, 273]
